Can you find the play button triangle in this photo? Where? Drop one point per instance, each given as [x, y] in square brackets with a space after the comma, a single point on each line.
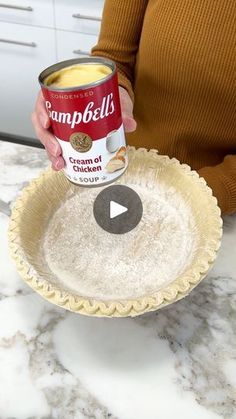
[116, 209]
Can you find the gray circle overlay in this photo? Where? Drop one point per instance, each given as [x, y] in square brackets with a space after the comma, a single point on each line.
[124, 196]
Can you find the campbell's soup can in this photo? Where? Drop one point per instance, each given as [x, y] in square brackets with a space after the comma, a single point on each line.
[82, 101]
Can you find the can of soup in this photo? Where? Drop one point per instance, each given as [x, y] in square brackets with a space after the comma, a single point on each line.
[82, 101]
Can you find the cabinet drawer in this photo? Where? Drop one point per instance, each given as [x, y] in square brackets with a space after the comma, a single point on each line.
[27, 12]
[72, 45]
[24, 54]
[79, 15]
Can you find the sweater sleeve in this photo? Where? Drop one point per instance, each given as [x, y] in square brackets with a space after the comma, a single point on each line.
[121, 27]
[222, 180]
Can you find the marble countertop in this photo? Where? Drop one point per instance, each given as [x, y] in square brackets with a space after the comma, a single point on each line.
[179, 362]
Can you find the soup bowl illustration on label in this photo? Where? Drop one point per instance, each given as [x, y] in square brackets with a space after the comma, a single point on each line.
[113, 141]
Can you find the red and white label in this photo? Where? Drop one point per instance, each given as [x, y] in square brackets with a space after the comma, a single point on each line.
[94, 111]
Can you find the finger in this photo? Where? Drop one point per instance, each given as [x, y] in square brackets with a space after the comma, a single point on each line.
[127, 110]
[130, 124]
[41, 133]
[46, 138]
[52, 145]
[57, 162]
[41, 111]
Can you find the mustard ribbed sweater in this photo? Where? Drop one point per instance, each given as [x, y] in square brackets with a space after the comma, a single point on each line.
[177, 59]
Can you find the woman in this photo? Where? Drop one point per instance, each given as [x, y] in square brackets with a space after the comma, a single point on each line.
[177, 64]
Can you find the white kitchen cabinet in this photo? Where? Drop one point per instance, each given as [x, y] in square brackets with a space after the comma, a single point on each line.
[33, 35]
[24, 54]
[79, 15]
[28, 12]
[73, 45]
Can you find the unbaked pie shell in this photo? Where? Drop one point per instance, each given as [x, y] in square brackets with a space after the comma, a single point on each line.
[41, 198]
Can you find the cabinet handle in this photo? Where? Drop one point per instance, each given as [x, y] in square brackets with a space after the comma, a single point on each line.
[25, 44]
[79, 16]
[12, 6]
[80, 52]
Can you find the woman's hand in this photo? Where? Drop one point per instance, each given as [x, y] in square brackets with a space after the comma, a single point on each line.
[41, 123]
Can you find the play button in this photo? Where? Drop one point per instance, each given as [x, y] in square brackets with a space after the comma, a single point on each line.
[117, 209]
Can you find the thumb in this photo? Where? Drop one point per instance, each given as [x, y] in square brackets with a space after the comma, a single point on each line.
[127, 111]
[130, 124]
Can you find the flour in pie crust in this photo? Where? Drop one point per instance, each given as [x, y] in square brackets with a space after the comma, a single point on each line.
[91, 262]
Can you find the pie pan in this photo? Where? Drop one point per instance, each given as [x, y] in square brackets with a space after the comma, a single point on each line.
[39, 202]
